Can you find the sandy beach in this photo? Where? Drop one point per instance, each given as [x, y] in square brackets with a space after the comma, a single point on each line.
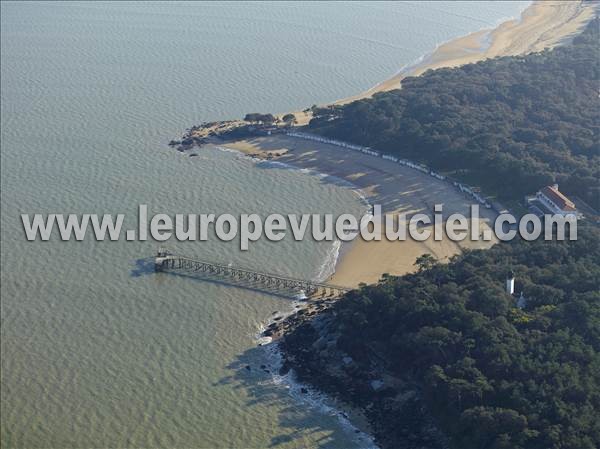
[543, 24]
[401, 189]
[398, 189]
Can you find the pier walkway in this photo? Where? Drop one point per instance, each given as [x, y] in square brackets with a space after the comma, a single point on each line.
[244, 277]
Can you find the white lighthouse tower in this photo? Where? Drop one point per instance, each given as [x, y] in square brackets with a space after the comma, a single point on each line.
[510, 283]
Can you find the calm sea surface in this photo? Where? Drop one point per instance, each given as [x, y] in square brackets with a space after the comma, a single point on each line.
[96, 350]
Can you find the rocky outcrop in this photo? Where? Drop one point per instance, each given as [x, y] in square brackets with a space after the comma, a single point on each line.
[308, 340]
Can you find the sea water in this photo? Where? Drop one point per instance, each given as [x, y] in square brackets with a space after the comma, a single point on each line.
[97, 351]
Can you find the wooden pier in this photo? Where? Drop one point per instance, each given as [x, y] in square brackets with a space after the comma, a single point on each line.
[244, 277]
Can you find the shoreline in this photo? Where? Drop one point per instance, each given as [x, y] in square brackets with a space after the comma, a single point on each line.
[541, 25]
[361, 172]
[510, 37]
[270, 337]
[339, 249]
[354, 257]
[321, 376]
[375, 180]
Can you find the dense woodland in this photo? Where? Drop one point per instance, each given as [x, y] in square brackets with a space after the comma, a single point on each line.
[492, 375]
[509, 125]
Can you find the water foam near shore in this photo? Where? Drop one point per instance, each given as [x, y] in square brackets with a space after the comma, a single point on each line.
[318, 401]
[303, 394]
[95, 353]
[329, 263]
[529, 27]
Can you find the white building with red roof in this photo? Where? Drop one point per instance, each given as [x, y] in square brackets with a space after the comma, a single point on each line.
[553, 200]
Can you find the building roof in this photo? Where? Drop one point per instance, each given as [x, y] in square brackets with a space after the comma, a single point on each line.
[558, 198]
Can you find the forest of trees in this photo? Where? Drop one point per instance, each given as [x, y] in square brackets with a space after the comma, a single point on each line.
[493, 375]
[509, 125]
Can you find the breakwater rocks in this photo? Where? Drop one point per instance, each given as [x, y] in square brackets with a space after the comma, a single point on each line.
[187, 143]
[198, 135]
[212, 132]
[310, 345]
